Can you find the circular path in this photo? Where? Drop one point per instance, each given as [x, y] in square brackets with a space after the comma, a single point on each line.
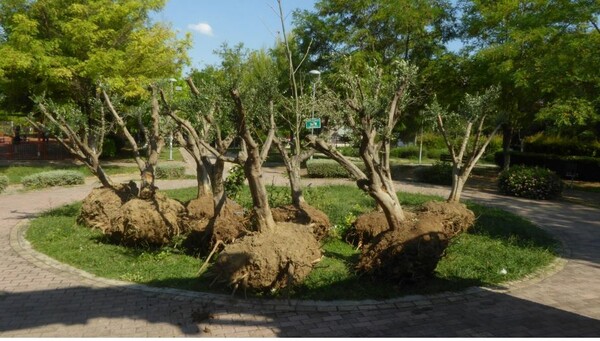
[40, 297]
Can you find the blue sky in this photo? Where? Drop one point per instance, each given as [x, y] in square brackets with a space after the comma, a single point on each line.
[213, 22]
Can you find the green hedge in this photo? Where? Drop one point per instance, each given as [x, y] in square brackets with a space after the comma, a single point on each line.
[530, 182]
[170, 171]
[348, 151]
[53, 178]
[325, 168]
[440, 173]
[543, 144]
[587, 168]
[3, 182]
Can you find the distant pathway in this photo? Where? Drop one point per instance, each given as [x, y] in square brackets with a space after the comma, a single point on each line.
[40, 297]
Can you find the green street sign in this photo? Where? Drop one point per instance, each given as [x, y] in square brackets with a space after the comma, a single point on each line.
[313, 123]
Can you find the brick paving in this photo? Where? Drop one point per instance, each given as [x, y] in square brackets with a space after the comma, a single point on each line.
[40, 297]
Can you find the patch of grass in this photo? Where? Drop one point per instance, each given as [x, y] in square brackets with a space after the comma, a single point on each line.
[499, 240]
[17, 173]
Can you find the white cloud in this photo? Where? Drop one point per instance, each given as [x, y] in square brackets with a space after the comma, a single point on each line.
[202, 28]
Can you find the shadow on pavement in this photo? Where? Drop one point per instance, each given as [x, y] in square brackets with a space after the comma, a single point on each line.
[487, 314]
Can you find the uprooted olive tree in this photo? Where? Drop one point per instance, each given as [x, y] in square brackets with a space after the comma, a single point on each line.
[293, 107]
[133, 214]
[277, 254]
[412, 243]
[465, 147]
[202, 119]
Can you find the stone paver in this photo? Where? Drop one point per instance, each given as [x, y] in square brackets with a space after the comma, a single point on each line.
[40, 297]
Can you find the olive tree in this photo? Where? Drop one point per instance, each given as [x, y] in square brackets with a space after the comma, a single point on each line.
[467, 133]
[374, 101]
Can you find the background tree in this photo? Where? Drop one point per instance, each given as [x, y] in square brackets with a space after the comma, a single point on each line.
[382, 31]
[467, 133]
[539, 52]
[63, 49]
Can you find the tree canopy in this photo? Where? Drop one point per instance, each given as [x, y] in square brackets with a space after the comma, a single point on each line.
[65, 48]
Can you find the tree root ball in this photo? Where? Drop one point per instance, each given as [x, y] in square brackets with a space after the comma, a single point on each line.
[102, 205]
[228, 225]
[366, 227]
[269, 260]
[205, 229]
[201, 208]
[304, 215]
[152, 221]
[412, 253]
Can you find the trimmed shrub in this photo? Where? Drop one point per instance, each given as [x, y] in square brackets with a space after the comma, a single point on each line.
[544, 144]
[3, 182]
[586, 168]
[326, 168]
[440, 173]
[435, 153]
[170, 171]
[53, 178]
[407, 152]
[530, 182]
[348, 151]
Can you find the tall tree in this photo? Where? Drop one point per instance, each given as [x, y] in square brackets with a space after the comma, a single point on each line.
[539, 52]
[382, 29]
[64, 48]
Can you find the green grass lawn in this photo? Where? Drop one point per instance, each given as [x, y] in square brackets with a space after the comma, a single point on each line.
[499, 240]
[16, 173]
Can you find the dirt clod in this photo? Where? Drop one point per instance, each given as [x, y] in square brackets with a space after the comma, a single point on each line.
[412, 252]
[102, 205]
[155, 221]
[270, 260]
[304, 215]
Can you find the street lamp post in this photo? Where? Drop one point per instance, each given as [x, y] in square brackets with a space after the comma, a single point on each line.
[318, 74]
[172, 81]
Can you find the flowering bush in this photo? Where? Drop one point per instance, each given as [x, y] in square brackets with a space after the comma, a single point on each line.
[530, 182]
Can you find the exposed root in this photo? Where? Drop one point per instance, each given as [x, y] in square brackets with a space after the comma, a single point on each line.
[207, 261]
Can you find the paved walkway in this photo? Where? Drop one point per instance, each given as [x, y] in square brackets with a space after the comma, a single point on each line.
[40, 297]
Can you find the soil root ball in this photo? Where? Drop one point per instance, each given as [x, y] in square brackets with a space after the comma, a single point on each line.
[153, 221]
[412, 252]
[204, 229]
[270, 260]
[228, 225]
[366, 227]
[304, 215]
[102, 205]
[201, 208]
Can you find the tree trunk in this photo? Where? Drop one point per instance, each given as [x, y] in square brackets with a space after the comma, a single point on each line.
[458, 183]
[507, 133]
[253, 172]
[204, 185]
[390, 206]
[295, 184]
[216, 180]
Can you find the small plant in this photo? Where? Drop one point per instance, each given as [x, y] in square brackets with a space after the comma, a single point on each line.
[3, 182]
[53, 178]
[234, 182]
[440, 173]
[170, 171]
[530, 182]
